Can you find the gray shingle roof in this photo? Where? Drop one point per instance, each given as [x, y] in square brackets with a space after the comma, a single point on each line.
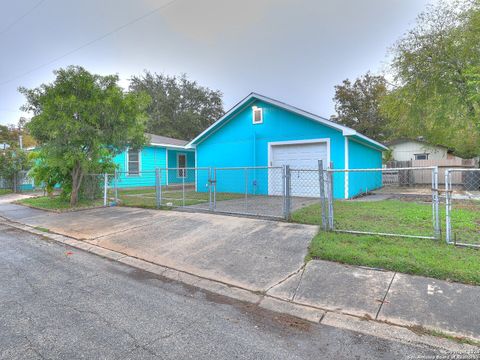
[164, 140]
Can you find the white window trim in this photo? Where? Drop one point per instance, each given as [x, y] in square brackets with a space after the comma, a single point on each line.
[178, 166]
[255, 108]
[139, 164]
[166, 166]
[426, 155]
[196, 166]
[347, 166]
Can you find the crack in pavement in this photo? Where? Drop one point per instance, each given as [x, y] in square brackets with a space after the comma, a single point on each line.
[302, 268]
[299, 282]
[385, 296]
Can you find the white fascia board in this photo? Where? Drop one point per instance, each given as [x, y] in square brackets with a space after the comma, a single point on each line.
[171, 146]
[363, 137]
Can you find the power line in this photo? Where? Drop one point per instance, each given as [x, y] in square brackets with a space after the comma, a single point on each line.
[107, 34]
[14, 22]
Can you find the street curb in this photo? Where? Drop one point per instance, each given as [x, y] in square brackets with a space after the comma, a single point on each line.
[399, 332]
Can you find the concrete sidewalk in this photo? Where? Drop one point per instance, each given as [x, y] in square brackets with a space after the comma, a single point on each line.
[385, 296]
[262, 262]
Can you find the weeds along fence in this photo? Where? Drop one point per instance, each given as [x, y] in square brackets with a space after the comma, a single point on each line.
[401, 202]
[462, 198]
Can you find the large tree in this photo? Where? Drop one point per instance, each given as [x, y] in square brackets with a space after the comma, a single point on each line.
[180, 108]
[357, 105]
[82, 120]
[436, 67]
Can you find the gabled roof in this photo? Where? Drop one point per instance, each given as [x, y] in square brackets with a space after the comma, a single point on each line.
[419, 140]
[346, 131]
[158, 140]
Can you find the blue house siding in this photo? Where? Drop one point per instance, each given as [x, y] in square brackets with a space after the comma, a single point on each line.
[361, 156]
[173, 177]
[240, 143]
[150, 158]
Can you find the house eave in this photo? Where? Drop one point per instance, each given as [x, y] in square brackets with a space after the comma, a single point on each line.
[346, 131]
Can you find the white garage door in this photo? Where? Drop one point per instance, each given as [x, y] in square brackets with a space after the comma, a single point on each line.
[298, 156]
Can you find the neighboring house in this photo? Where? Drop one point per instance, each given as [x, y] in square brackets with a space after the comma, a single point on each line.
[136, 168]
[260, 131]
[410, 149]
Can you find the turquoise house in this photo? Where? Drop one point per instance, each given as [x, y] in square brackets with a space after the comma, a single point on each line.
[263, 132]
[136, 168]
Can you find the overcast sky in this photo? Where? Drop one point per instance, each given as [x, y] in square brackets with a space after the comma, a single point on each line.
[292, 50]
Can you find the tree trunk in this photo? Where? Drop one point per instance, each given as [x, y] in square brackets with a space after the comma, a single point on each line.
[77, 176]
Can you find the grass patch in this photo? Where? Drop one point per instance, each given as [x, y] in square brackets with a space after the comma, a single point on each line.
[5, 192]
[423, 257]
[42, 229]
[410, 256]
[58, 203]
[146, 198]
[420, 330]
[389, 216]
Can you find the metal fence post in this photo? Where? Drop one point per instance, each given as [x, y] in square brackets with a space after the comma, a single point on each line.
[214, 189]
[158, 188]
[330, 198]
[287, 192]
[323, 204]
[448, 225]
[184, 174]
[115, 184]
[105, 189]
[438, 228]
[210, 203]
[246, 189]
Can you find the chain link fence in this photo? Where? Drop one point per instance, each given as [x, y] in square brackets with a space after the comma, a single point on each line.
[462, 197]
[17, 183]
[401, 202]
[270, 192]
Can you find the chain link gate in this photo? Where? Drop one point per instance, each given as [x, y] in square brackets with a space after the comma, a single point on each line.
[399, 202]
[462, 202]
[269, 192]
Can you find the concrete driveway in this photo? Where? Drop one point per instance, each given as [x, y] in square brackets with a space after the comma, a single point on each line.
[250, 253]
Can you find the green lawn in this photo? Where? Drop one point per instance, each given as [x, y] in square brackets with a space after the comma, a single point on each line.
[388, 216]
[5, 191]
[412, 256]
[170, 198]
[58, 203]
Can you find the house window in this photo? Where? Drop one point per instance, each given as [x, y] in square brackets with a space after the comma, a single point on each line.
[181, 165]
[133, 162]
[421, 156]
[257, 115]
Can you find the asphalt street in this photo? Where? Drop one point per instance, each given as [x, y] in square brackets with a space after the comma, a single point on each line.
[61, 303]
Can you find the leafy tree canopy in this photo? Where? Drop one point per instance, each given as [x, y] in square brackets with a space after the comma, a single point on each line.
[82, 120]
[357, 105]
[180, 108]
[436, 67]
